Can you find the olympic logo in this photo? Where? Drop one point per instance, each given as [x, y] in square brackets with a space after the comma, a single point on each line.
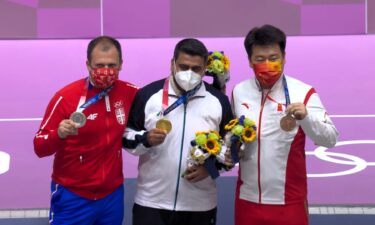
[344, 159]
[4, 162]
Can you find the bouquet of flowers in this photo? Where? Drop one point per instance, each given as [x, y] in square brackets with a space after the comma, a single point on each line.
[240, 131]
[218, 68]
[206, 146]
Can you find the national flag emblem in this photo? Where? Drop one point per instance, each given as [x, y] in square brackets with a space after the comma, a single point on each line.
[120, 115]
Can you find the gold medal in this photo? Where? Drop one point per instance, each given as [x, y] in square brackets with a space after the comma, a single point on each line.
[164, 124]
[288, 123]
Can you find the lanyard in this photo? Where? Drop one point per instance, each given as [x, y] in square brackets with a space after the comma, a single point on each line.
[182, 99]
[83, 105]
[286, 91]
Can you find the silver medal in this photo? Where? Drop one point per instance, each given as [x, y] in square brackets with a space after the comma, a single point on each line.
[79, 118]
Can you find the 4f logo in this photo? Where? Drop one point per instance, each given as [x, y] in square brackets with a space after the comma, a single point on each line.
[92, 116]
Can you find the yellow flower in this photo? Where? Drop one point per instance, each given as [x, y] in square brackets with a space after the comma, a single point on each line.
[231, 124]
[226, 63]
[212, 146]
[199, 132]
[248, 134]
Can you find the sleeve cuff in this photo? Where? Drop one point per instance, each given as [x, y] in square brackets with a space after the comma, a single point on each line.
[143, 139]
[56, 142]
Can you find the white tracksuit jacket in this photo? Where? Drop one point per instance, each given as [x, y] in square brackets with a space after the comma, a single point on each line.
[159, 183]
[273, 169]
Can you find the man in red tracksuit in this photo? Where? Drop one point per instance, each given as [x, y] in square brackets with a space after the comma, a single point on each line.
[83, 128]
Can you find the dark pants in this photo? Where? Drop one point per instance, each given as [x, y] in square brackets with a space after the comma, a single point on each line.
[150, 216]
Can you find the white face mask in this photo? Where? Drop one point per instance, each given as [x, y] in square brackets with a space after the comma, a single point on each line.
[187, 79]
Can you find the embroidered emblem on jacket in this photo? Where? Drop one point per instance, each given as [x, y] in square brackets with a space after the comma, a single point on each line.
[120, 115]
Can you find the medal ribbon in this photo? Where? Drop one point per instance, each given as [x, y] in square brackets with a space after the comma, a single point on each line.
[288, 122]
[183, 99]
[286, 91]
[83, 105]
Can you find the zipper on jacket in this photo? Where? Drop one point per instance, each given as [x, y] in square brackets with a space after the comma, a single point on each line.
[107, 116]
[262, 102]
[107, 127]
[179, 165]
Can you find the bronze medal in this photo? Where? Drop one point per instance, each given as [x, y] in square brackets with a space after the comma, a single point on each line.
[79, 118]
[288, 123]
[164, 124]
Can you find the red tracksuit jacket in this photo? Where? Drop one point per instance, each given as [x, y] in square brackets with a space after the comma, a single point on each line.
[90, 163]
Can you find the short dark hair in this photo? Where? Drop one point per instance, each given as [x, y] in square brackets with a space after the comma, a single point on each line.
[264, 36]
[192, 47]
[108, 42]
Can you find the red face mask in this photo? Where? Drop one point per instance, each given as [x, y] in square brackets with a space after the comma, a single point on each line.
[267, 73]
[104, 77]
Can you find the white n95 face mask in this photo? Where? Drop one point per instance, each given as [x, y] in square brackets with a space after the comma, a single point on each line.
[188, 79]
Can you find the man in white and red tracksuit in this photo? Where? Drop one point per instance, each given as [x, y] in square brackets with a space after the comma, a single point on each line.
[272, 183]
[87, 179]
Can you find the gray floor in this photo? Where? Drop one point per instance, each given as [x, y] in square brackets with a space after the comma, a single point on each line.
[314, 220]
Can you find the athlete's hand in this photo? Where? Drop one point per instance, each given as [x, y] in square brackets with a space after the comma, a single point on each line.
[67, 127]
[298, 110]
[156, 136]
[228, 155]
[228, 159]
[196, 173]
